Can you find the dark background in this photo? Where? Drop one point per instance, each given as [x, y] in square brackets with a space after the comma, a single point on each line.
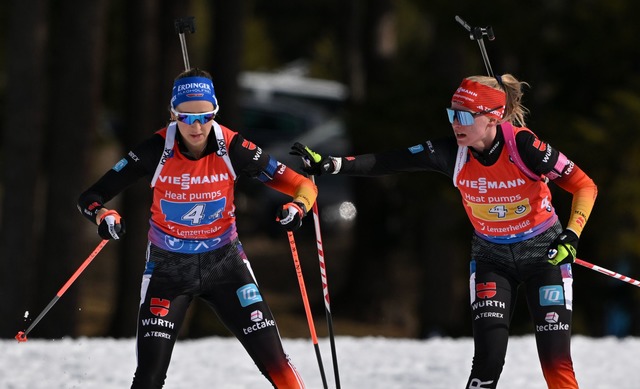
[81, 82]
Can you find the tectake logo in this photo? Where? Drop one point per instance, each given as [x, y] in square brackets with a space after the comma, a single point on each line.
[554, 323]
[551, 317]
[260, 322]
[256, 316]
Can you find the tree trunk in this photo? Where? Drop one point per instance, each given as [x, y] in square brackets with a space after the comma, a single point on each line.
[75, 105]
[226, 56]
[22, 139]
[153, 59]
[224, 60]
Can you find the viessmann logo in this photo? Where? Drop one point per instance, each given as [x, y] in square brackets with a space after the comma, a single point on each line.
[186, 180]
[483, 185]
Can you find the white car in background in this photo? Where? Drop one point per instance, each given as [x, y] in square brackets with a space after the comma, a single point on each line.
[279, 109]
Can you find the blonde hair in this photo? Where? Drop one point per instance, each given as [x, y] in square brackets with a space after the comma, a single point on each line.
[514, 112]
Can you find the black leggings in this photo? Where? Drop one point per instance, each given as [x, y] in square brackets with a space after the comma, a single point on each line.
[224, 280]
[497, 271]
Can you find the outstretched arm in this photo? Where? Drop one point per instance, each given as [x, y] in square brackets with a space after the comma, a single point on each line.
[438, 155]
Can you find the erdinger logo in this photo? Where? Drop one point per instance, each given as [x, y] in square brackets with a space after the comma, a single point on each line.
[159, 307]
[193, 85]
[486, 290]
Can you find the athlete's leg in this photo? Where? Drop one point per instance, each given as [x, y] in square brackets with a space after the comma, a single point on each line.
[244, 311]
[550, 295]
[492, 300]
[163, 305]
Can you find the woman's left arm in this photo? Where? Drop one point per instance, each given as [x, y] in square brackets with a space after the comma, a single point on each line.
[250, 160]
[543, 159]
[584, 190]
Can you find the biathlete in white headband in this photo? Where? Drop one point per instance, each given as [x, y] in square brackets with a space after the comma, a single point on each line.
[501, 169]
[192, 166]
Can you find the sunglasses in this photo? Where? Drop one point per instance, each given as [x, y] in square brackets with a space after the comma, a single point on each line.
[190, 118]
[466, 118]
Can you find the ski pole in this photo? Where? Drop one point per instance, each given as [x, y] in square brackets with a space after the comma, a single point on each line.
[477, 34]
[608, 272]
[184, 25]
[325, 286]
[22, 335]
[307, 308]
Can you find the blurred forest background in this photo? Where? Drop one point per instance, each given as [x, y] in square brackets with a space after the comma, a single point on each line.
[81, 82]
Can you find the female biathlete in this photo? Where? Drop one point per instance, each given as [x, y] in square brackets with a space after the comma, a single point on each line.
[193, 248]
[518, 239]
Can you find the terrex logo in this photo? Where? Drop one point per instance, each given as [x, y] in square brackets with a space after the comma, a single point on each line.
[483, 185]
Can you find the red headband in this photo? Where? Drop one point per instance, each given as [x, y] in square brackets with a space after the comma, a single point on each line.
[478, 97]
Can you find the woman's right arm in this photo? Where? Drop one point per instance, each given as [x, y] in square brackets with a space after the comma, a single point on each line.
[438, 155]
[139, 162]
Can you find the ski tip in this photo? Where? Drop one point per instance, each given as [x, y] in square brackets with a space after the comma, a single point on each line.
[21, 337]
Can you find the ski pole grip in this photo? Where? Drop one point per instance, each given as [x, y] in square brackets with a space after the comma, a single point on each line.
[185, 24]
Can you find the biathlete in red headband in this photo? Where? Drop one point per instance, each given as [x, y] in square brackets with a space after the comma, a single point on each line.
[192, 166]
[501, 169]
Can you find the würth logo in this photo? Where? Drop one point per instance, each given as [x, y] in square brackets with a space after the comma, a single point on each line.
[159, 307]
[486, 290]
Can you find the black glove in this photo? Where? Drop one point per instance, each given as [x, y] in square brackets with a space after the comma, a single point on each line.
[290, 215]
[111, 225]
[315, 164]
[564, 248]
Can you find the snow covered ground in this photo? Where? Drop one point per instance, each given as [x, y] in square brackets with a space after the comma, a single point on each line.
[364, 363]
